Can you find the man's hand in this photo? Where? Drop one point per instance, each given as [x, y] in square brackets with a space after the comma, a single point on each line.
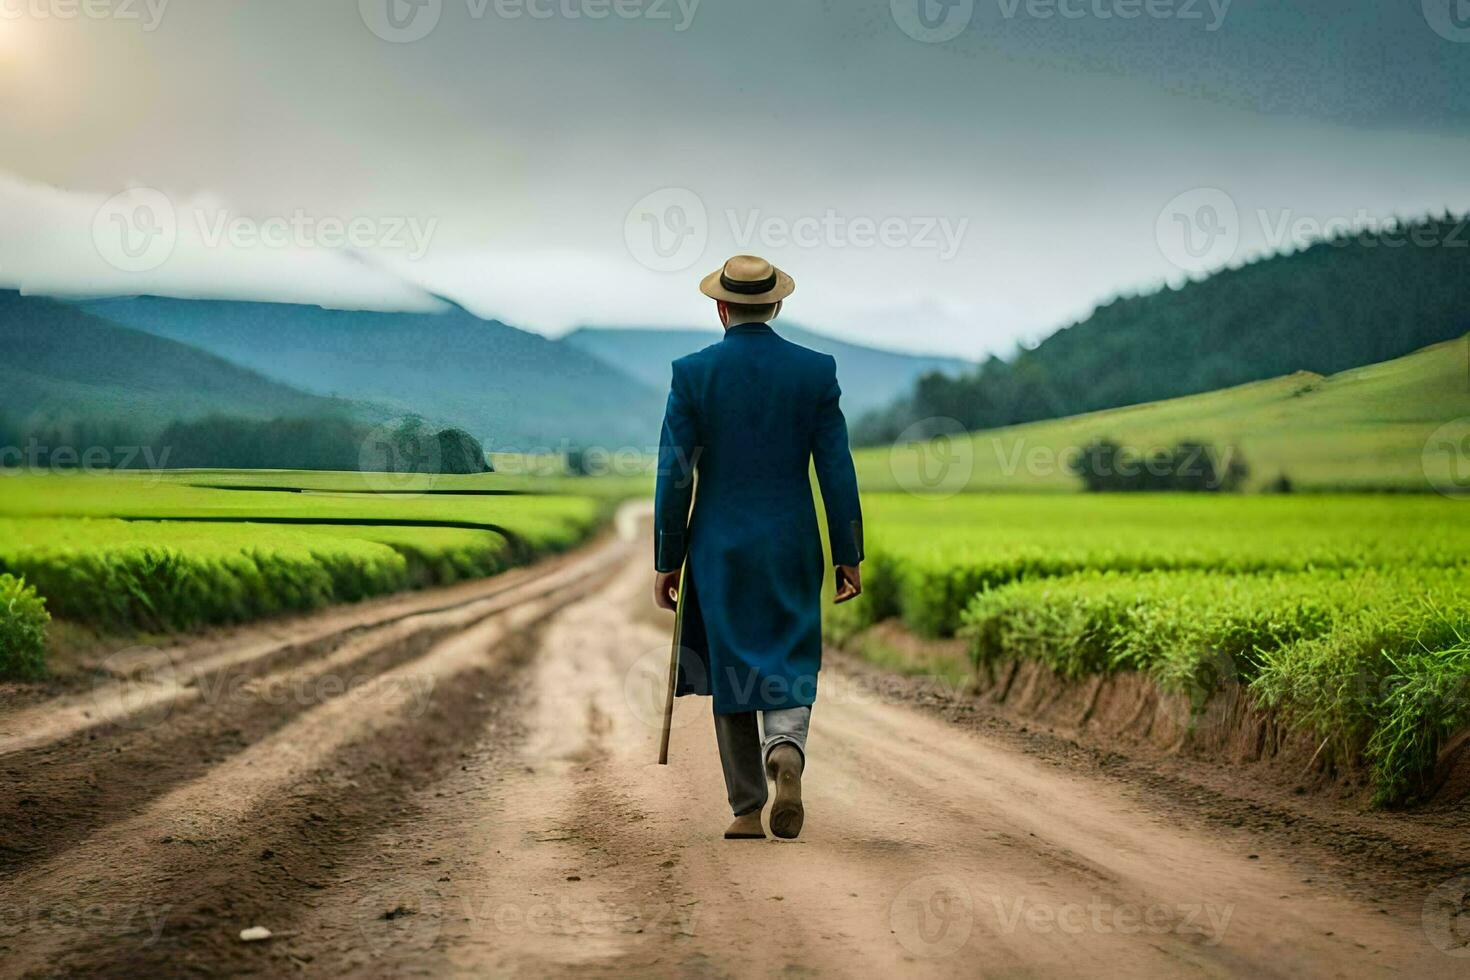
[666, 590]
[849, 583]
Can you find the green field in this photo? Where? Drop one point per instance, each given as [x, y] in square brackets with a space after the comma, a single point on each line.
[928, 556]
[1348, 614]
[1361, 429]
[176, 550]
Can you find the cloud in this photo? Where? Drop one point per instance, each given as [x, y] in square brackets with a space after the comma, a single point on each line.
[61, 242]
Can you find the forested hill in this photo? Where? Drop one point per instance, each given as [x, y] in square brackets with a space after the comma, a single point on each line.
[63, 364]
[1336, 305]
[511, 388]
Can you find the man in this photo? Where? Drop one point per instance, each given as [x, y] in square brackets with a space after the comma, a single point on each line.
[748, 416]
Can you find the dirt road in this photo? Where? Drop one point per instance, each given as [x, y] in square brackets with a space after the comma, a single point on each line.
[462, 783]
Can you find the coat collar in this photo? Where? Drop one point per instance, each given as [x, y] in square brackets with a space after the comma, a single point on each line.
[752, 328]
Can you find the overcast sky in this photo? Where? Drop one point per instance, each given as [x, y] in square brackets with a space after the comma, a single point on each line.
[951, 176]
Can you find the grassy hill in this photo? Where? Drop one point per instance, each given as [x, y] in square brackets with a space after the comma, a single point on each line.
[1328, 308]
[64, 363]
[871, 377]
[1360, 429]
[507, 387]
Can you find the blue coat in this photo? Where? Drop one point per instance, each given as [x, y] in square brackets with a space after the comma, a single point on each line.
[746, 418]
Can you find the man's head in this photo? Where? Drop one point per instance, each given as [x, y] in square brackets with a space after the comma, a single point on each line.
[747, 289]
[733, 313]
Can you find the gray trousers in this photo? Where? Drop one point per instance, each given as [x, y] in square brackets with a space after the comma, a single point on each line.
[743, 750]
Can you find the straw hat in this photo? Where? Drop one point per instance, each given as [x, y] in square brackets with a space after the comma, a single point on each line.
[748, 279]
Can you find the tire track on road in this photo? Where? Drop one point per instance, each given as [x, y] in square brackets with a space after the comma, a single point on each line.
[340, 762]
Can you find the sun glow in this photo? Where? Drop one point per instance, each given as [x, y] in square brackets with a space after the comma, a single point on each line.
[10, 40]
[22, 41]
[19, 36]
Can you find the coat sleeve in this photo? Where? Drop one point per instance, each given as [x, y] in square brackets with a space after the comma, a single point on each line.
[836, 475]
[674, 486]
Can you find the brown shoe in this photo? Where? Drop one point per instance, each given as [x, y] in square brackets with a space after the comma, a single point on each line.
[784, 765]
[747, 826]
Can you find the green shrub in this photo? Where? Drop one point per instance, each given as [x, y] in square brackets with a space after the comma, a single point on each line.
[179, 575]
[1375, 663]
[928, 557]
[1388, 686]
[1426, 699]
[23, 620]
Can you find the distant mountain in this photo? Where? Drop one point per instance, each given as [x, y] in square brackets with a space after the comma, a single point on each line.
[870, 377]
[1328, 308]
[510, 388]
[62, 362]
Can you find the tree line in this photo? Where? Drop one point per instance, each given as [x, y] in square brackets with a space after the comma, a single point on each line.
[228, 442]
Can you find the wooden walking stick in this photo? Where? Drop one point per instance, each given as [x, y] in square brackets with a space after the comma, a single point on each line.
[663, 745]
